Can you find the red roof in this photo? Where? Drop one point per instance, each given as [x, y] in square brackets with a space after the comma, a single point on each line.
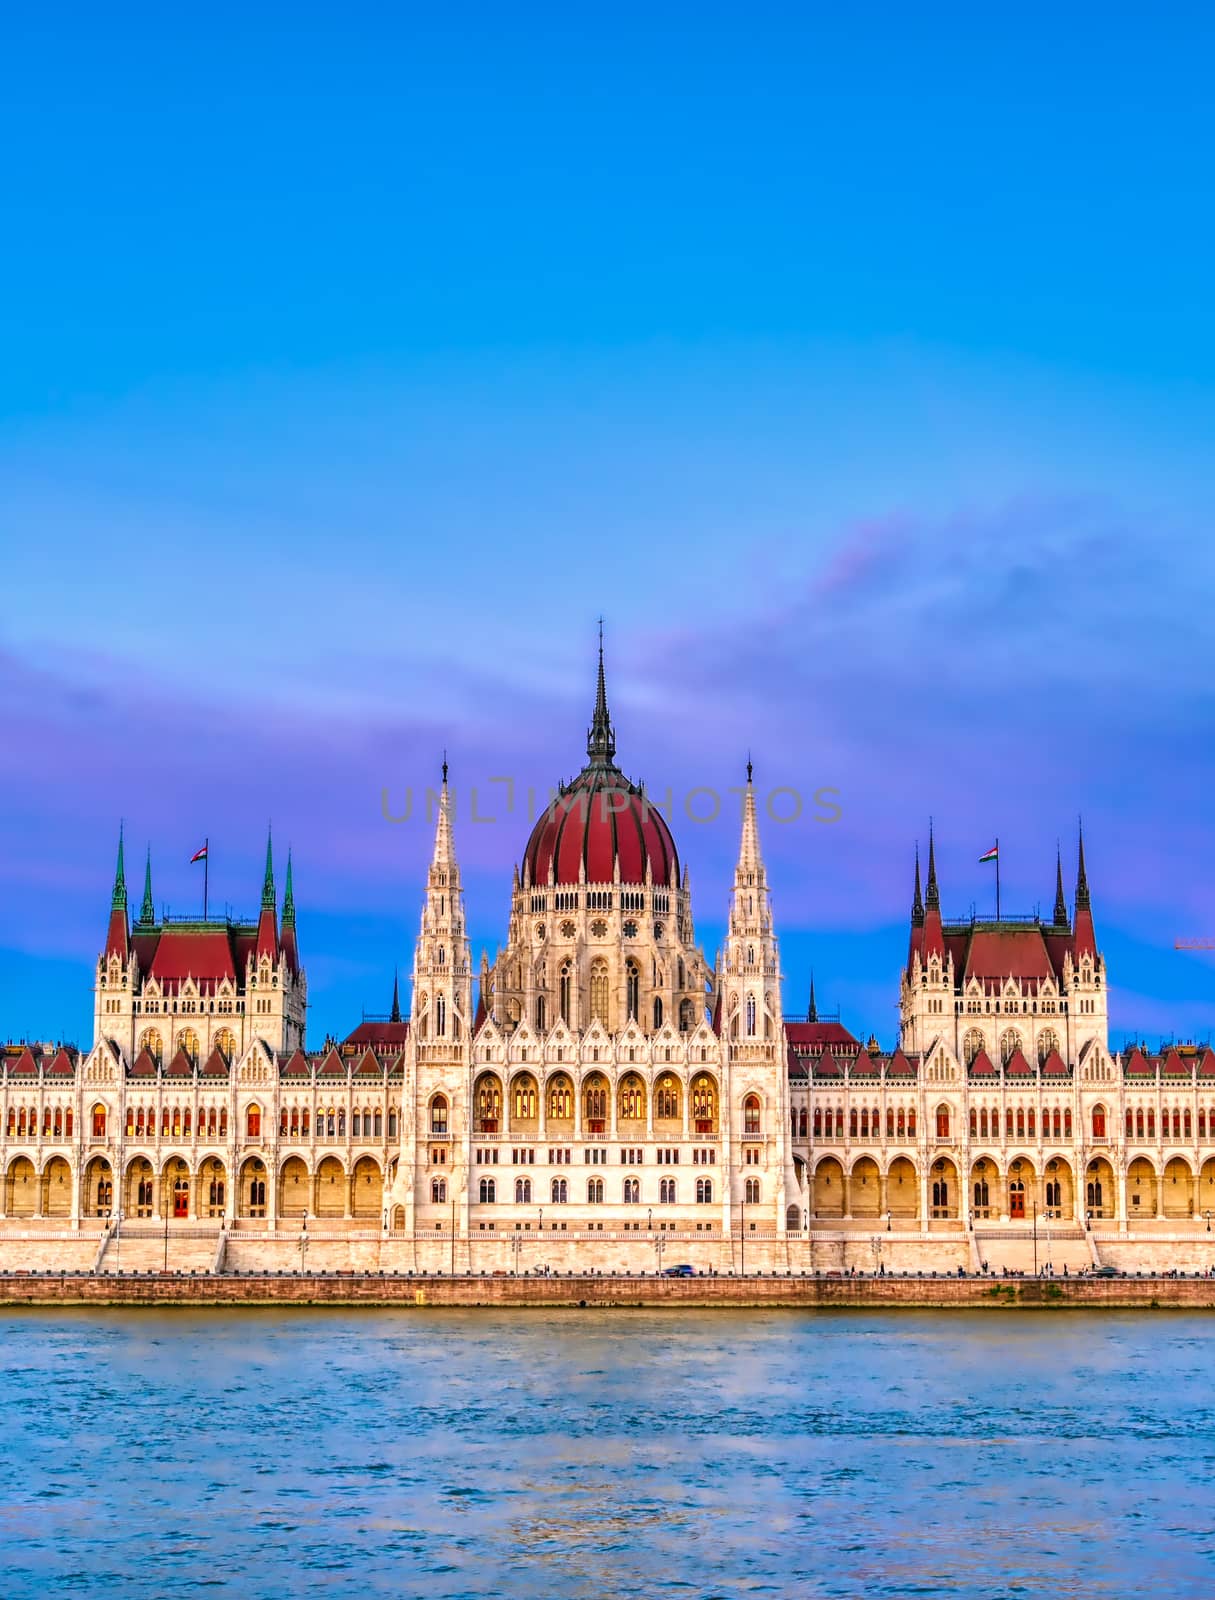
[296, 1066]
[1007, 952]
[811, 1037]
[1054, 1066]
[600, 819]
[982, 1066]
[826, 1066]
[180, 1067]
[144, 1065]
[1206, 1064]
[215, 1065]
[1017, 1066]
[379, 1035]
[901, 1066]
[332, 1066]
[61, 1067]
[25, 1066]
[201, 953]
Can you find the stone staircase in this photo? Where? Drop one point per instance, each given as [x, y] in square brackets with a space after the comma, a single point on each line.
[1005, 1249]
[192, 1250]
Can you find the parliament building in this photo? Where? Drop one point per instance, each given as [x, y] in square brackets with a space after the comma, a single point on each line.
[603, 1097]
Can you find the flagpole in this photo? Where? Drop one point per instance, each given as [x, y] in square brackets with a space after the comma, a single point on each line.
[207, 877]
[997, 878]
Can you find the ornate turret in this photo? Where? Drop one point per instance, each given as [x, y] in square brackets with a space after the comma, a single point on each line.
[287, 936]
[601, 736]
[1085, 938]
[267, 931]
[917, 899]
[147, 911]
[442, 981]
[117, 941]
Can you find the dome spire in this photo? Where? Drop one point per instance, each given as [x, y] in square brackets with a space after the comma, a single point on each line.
[601, 737]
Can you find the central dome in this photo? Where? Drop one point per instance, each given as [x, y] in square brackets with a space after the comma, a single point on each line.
[601, 820]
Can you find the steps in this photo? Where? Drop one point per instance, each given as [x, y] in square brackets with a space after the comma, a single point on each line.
[1014, 1252]
[145, 1252]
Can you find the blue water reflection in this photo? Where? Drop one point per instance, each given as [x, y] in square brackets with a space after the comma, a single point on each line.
[607, 1453]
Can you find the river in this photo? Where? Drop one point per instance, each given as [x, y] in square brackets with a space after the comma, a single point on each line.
[602, 1453]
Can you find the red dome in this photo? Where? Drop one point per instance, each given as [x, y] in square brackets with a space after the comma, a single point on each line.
[600, 817]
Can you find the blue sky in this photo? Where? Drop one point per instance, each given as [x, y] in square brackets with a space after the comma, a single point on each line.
[858, 366]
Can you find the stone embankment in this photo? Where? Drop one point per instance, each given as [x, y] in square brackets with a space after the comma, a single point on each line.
[771, 1292]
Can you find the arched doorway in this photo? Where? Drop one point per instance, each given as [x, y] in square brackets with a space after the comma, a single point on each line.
[1100, 1191]
[56, 1188]
[829, 1188]
[98, 1188]
[1140, 1189]
[366, 1189]
[902, 1190]
[294, 1186]
[1058, 1190]
[1206, 1190]
[20, 1188]
[330, 1189]
[252, 1195]
[865, 1189]
[139, 1188]
[1022, 1190]
[175, 1189]
[524, 1104]
[212, 1187]
[943, 1198]
[1177, 1190]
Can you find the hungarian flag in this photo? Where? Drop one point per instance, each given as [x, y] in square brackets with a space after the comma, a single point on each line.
[992, 855]
[199, 855]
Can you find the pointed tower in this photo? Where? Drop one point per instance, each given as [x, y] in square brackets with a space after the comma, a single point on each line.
[1085, 939]
[395, 1014]
[1060, 902]
[147, 911]
[267, 931]
[933, 942]
[117, 941]
[442, 977]
[917, 899]
[601, 736]
[812, 1009]
[287, 937]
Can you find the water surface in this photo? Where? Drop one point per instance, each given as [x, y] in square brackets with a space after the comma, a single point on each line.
[603, 1453]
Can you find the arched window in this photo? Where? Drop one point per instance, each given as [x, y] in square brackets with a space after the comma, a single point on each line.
[1048, 1041]
[657, 1012]
[750, 1016]
[489, 1191]
[525, 1098]
[852, 1126]
[438, 1191]
[98, 1121]
[560, 1100]
[187, 1040]
[751, 1113]
[225, 1043]
[599, 992]
[523, 1191]
[971, 1045]
[632, 987]
[752, 1191]
[565, 989]
[704, 1191]
[438, 1114]
[666, 1098]
[942, 1122]
[1188, 1124]
[687, 1016]
[489, 1105]
[666, 1192]
[801, 1123]
[982, 1195]
[911, 1123]
[594, 1192]
[151, 1042]
[1010, 1043]
[632, 1100]
[541, 1014]
[560, 1192]
[704, 1103]
[632, 1191]
[818, 1122]
[901, 1124]
[940, 1194]
[594, 1104]
[440, 1017]
[253, 1122]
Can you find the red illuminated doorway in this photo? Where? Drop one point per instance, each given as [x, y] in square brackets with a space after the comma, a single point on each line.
[181, 1197]
[1016, 1200]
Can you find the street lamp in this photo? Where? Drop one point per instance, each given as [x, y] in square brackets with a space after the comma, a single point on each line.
[515, 1243]
[660, 1244]
[889, 1215]
[303, 1239]
[1035, 1241]
[1207, 1215]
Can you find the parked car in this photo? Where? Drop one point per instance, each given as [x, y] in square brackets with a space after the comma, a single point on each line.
[683, 1270]
[1106, 1272]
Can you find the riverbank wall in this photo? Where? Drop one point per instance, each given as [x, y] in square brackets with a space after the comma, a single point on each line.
[586, 1292]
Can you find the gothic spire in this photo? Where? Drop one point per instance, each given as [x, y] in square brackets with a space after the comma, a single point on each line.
[268, 880]
[147, 911]
[118, 901]
[1060, 902]
[749, 858]
[1082, 899]
[395, 1015]
[932, 897]
[601, 736]
[812, 1013]
[917, 903]
[445, 850]
[289, 897]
